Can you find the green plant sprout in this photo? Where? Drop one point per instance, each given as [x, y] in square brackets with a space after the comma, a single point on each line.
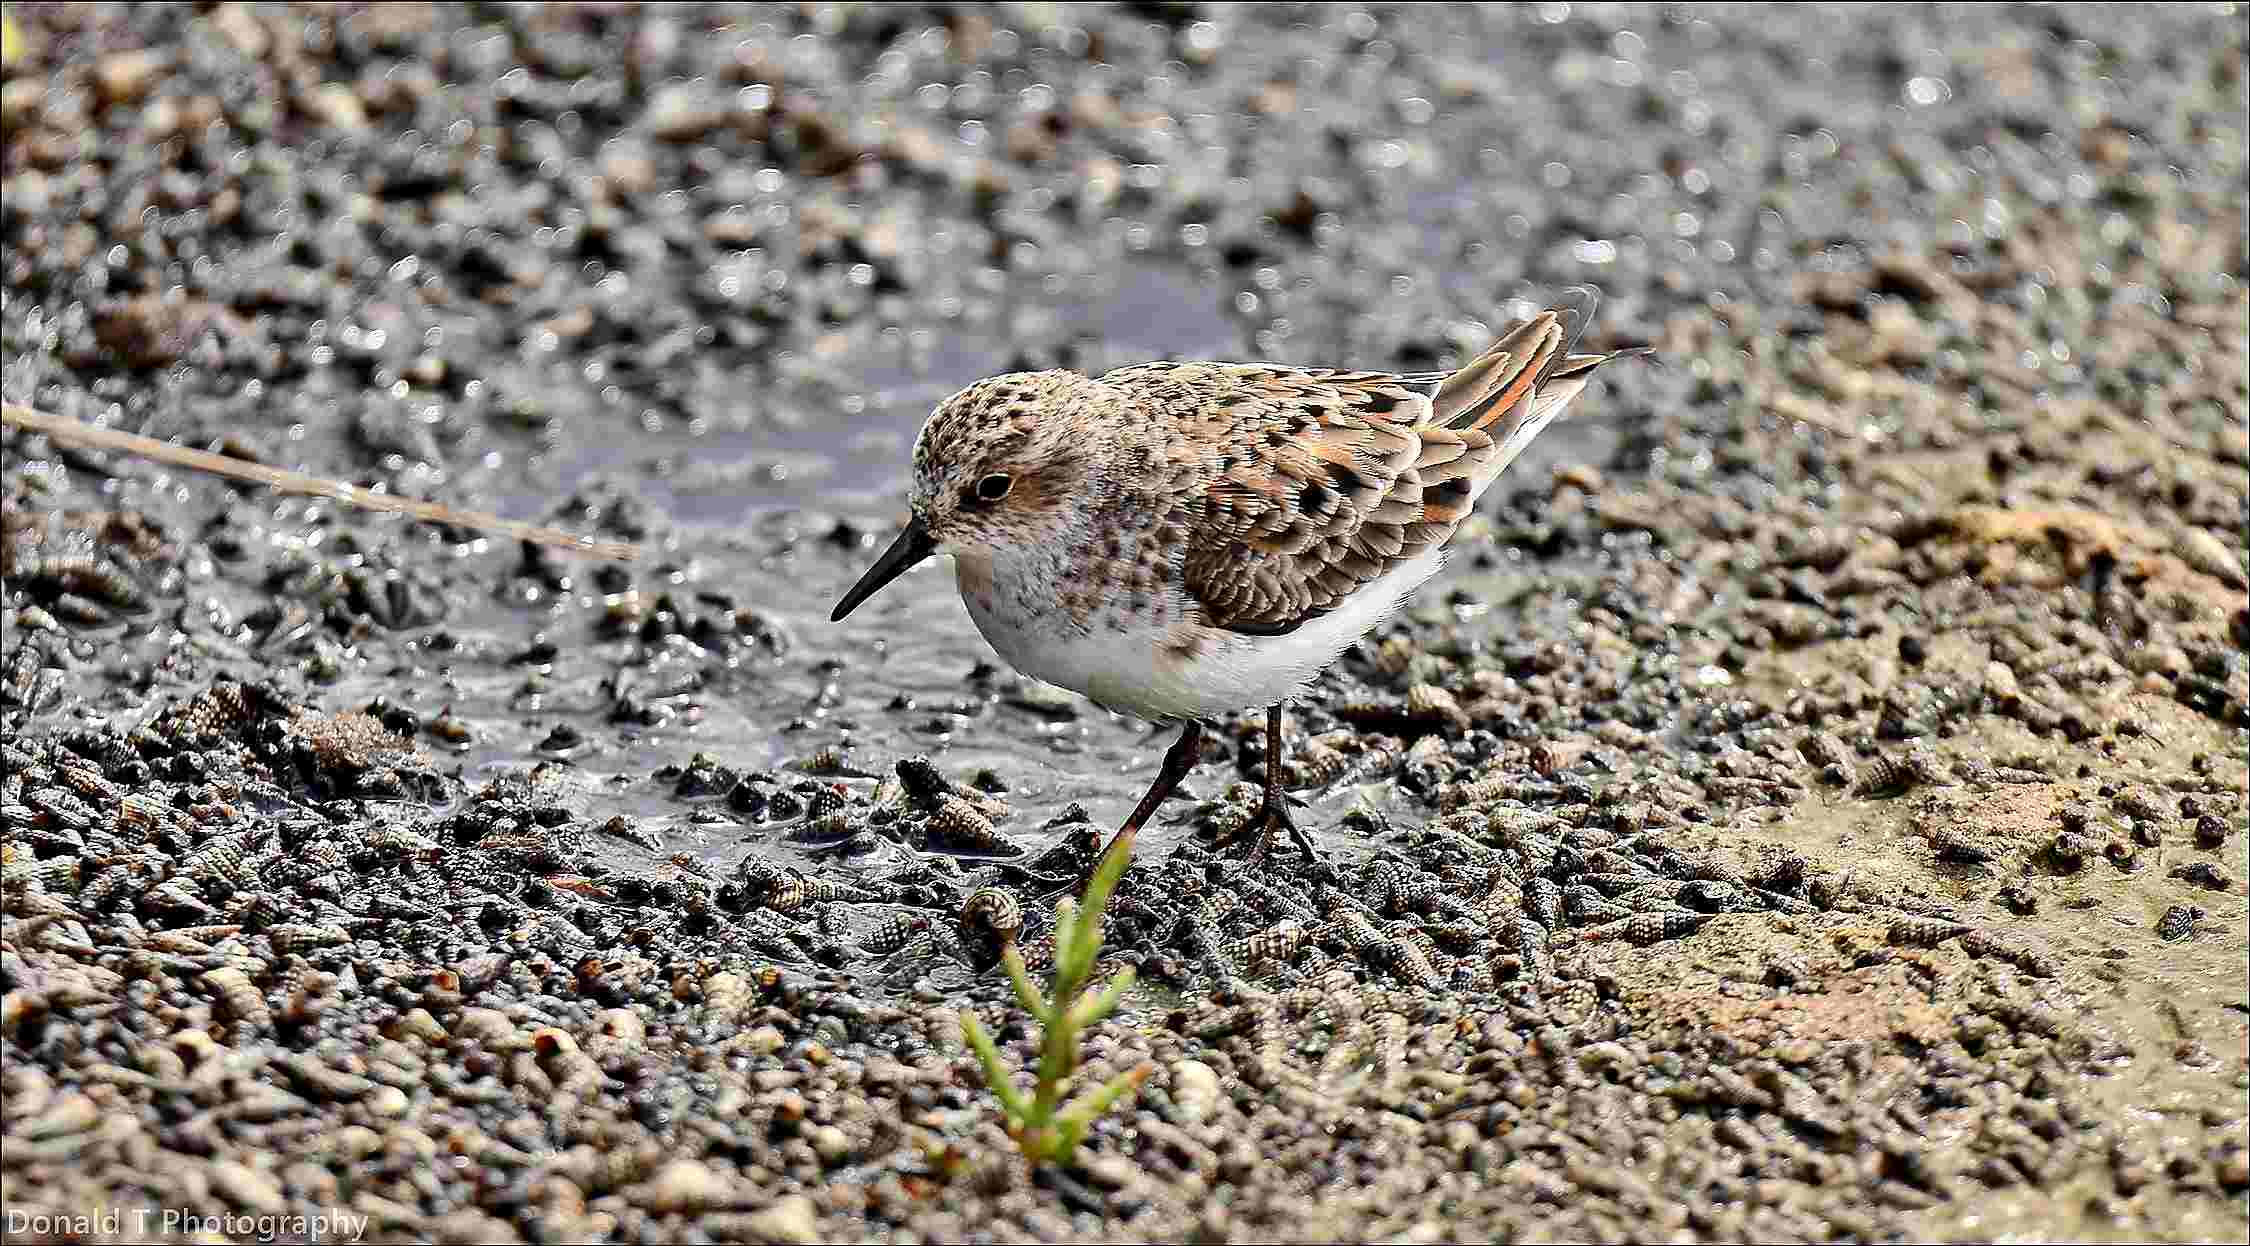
[1046, 1129]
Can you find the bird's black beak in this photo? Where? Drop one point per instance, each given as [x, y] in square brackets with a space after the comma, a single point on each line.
[912, 546]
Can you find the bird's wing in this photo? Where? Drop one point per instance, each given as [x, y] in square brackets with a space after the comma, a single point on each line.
[1320, 481]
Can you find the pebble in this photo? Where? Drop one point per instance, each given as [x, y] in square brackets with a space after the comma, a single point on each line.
[20, 100]
[2204, 874]
[833, 1145]
[248, 1189]
[791, 1221]
[2234, 1167]
[683, 112]
[336, 106]
[127, 77]
[1195, 1090]
[687, 1185]
[1111, 1172]
[241, 27]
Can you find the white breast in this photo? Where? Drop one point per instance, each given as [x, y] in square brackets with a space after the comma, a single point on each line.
[1163, 672]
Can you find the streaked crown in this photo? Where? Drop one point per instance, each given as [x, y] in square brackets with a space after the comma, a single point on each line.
[996, 456]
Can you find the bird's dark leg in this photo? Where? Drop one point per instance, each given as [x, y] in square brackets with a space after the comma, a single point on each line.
[1178, 760]
[1273, 815]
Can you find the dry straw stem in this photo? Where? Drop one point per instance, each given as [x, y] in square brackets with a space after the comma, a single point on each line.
[61, 428]
[1046, 1129]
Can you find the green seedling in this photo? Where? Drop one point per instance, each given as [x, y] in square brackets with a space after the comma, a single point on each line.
[1046, 1129]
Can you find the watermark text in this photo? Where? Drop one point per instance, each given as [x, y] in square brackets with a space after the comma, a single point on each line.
[336, 1225]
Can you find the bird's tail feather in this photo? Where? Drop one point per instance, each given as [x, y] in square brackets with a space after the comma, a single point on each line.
[1495, 383]
[1526, 379]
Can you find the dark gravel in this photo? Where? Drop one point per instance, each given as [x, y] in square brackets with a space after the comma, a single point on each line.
[1811, 806]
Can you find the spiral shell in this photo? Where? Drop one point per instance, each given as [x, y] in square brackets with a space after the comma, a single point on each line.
[958, 827]
[1892, 774]
[760, 879]
[1954, 844]
[2031, 960]
[87, 782]
[1643, 929]
[1542, 901]
[992, 913]
[1924, 932]
[1279, 943]
[2178, 922]
[1430, 704]
[1587, 907]
[290, 938]
[238, 998]
[823, 799]
[894, 933]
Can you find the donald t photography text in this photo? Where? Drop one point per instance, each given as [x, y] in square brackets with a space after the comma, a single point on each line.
[336, 1225]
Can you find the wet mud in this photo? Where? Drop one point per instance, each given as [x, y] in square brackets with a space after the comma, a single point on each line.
[1810, 805]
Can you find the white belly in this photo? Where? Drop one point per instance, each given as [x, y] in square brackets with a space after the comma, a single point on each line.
[1156, 673]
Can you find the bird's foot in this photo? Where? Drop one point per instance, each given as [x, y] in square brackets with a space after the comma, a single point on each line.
[1272, 821]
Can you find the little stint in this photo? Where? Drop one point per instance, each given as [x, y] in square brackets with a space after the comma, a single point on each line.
[1178, 541]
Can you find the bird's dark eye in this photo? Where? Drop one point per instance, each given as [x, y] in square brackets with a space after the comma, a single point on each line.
[994, 487]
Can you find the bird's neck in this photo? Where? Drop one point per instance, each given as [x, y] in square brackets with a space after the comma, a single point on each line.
[1041, 584]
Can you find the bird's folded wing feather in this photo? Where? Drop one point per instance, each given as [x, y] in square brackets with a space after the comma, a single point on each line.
[1325, 480]
[1322, 481]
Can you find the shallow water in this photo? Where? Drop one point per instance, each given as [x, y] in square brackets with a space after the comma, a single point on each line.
[841, 447]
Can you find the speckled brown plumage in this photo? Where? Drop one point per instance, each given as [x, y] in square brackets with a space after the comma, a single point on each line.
[1314, 482]
[1180, 540]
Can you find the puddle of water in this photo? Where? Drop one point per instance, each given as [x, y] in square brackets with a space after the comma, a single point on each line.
[843, 448]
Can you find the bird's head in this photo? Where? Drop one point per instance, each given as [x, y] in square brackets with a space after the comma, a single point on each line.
[1006, 465]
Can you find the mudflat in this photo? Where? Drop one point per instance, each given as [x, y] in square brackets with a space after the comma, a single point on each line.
[1810, 805]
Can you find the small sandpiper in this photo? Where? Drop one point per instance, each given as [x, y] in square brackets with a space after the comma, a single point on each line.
[1178, 541]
